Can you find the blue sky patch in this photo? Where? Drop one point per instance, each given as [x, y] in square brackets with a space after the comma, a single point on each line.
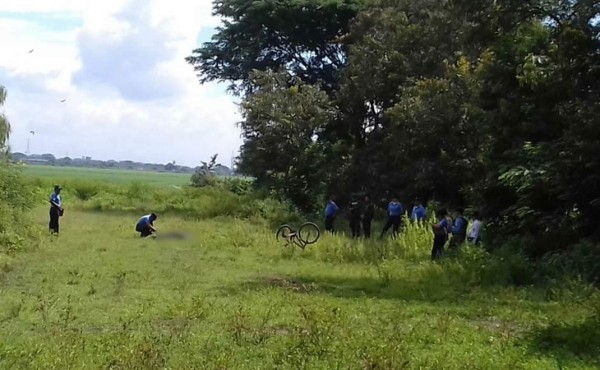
[49, 21]
[205, 35]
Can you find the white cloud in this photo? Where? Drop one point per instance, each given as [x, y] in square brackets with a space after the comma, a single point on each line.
[120, 66]
[54, 6]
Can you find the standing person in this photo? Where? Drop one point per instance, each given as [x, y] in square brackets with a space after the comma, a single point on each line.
[440, 235]
[449, 223]
[355, 219]
[368, 214]
[475, 233]
[56, 210]
[145, 225]
[395, 210]
[419, 212]
[331, 210]
[459, 229]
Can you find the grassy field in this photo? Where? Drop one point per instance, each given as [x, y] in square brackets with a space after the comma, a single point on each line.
[116, 176]
[228, 296]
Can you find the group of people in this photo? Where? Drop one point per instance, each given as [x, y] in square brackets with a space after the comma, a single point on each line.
[361, 214]
[144, 226]
[446, 229]
[453, 230]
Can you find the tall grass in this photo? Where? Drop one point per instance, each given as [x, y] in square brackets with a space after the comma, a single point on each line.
[16, 231]
[228, 198]
[232, 198]
[232, 297]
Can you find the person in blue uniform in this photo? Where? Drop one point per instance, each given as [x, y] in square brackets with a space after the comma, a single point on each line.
[419, 212]
[145, 225]
[395, 210]
[331, 210]
[440, 235]
[56, 210]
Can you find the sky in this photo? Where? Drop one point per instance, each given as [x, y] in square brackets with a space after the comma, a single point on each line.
[119, 65]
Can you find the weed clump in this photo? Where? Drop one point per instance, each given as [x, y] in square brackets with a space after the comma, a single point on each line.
[16, 230]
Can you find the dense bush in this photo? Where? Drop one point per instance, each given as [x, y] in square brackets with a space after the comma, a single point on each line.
[581, 262]
[485, 104]
[16, 229]
[227, 197]
[85, 190]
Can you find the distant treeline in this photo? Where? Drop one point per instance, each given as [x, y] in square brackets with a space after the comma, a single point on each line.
[51, 160]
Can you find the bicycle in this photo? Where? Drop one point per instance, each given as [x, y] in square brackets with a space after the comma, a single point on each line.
[308, 234]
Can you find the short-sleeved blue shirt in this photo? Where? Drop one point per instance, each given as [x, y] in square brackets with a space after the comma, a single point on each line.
[418, 213]
[331, 209]
[144, 221]
[55, 198]
[460, 226]
[443, 224]
[395, 209]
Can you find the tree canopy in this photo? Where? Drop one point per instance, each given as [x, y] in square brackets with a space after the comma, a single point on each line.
[4, 124]
[304, 36]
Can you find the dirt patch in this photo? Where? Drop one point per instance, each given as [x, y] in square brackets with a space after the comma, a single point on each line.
[494, 324]
[172, 324]
[282, 330]
[172, 235]
[288, 284]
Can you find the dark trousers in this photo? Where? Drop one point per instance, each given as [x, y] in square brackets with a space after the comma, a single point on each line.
[329, 223]
[54, 216]
[355, 227]
[475, 241]
[438, 247]
[393, 221]
[456, 241]
[144, 231]
[366, 224]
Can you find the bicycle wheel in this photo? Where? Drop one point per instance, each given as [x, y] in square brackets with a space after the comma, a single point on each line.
[309, 233]
[284, 232]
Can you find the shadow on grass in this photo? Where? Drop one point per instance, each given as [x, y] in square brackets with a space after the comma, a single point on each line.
[431, 287]
[569, 343]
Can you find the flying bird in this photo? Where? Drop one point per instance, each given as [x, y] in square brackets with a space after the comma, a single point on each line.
[64, 100]
[32, 132]
[31, 51]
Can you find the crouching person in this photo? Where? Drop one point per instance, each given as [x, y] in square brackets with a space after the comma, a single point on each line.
[145, 225]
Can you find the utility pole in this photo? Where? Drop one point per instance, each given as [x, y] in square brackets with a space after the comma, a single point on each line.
[31, 133]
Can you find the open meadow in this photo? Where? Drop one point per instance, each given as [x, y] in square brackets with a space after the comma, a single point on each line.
[222, 293]
[117, 176]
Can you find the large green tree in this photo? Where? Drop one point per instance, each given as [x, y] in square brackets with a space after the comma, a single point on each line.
[281, 126]
[303, 36]
[541, 87]
[491, 104]
[4, 124]
[15, 228]
[297, 43]
[407, 101]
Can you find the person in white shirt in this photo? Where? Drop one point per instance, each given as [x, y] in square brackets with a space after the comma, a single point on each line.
[475, 233]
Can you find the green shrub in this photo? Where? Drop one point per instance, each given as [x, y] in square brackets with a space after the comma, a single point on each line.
[509, 266]
[580, 262]
[15, 200]
[239, 186]
[230, 198]
[138, 190]
[84, 190]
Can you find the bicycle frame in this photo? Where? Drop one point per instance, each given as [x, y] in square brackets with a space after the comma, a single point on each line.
[294, 238]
